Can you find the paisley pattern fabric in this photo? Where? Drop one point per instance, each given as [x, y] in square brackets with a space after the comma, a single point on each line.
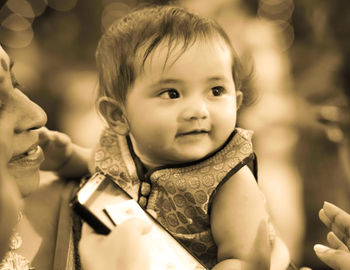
[179, 195]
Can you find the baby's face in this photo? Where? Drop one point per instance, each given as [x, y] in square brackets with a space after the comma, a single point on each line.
[185, 110]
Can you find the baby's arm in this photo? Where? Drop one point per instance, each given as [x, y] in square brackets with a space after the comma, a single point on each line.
[238, 210]
[62, 156]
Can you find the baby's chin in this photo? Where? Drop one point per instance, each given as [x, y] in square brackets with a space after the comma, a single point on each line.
[192, 155]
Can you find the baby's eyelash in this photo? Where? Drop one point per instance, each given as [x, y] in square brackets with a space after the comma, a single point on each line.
[17, 85]
[218, 90]
[169, 94]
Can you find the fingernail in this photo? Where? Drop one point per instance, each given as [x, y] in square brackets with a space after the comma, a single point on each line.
[326, 203]
[320, 248]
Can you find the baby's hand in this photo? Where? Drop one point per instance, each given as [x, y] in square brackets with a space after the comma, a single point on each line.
[57, 148]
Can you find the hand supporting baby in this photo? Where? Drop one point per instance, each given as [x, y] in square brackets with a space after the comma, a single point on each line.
[124, 248]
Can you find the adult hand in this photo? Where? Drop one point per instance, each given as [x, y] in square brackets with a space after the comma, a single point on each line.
[124, 248]
[258, 258]
[261, 252]
[260, 255]
[337, 254]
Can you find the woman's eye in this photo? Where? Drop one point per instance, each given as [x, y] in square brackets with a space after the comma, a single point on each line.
[15, 83]
[217, 91]
[170, 94]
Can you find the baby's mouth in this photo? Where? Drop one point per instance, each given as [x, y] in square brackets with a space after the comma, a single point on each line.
[192, 132]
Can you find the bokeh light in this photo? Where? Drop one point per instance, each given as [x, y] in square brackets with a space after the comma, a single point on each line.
[279, 12]
[62, 5]
[21, 7]
[16, 22]
[38, 6]
[112, 12]
[16, 26]
[16, 39]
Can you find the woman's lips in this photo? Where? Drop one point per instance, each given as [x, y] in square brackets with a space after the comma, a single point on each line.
[32, 158]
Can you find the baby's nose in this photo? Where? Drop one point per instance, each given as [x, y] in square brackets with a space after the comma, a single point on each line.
[196, 110]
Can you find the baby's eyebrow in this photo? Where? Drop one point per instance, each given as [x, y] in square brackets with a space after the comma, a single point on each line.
[216, 79]
[167, 81]
[170, 80]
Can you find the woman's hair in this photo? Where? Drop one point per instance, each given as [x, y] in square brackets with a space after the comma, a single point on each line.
[139, 33]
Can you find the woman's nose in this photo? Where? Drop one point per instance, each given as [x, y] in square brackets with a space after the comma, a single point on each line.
[196, 109]
[32, 115]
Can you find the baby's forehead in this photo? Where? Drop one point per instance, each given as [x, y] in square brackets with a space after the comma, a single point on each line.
[170, 52]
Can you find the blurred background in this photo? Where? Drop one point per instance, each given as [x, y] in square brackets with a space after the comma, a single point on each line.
[299, 110]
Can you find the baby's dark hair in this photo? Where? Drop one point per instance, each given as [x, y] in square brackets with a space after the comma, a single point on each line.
[146, 29]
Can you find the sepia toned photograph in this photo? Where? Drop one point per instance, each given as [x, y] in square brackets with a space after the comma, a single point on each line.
[174, 135]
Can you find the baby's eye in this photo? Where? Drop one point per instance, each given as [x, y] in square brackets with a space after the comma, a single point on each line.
[170, 94]
[217, 91]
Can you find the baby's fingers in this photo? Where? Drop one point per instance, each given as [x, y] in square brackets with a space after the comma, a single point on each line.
[60, 139]
[56, 138]
[44, 136]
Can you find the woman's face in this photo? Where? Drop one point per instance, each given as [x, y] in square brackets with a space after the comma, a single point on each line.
[20, 119]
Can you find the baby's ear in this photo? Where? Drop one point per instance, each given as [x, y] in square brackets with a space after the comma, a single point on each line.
[113, 112]
[239, 99]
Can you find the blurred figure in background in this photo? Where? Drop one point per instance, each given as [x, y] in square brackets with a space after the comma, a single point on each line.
[334, 114]
[320, 57]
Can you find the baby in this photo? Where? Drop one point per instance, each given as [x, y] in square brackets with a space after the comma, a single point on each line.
[169, 89]
[170, 85]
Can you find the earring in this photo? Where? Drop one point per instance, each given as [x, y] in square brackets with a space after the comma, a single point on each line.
[121, 128]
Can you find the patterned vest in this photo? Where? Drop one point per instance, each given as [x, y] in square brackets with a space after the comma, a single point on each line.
[180, 195]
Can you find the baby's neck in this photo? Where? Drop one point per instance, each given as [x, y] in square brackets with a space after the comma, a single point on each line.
[146, 162]
[148, 165]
